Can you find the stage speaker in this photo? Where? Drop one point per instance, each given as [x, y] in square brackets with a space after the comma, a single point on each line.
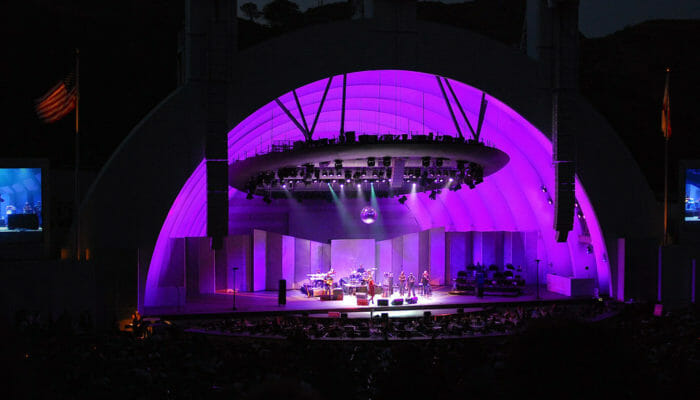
[282, 292]
[397, 302]
[564, 198]
[22, 221]
[382, 302]
[338, 292]
[362, 302]
[411, 300]
[361, 296]
[217, 201]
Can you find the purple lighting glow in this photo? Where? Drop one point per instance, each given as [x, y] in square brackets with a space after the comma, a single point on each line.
[395, 102]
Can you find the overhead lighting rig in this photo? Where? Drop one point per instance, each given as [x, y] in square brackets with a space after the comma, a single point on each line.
[391, 165]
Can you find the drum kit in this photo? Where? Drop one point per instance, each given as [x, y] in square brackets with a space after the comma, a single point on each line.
[356, 278]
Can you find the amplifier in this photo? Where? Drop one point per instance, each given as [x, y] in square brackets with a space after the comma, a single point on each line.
[361, 289]
[338, 292]
[362, 302]
[411, 300]
[319, 292]
[397, 302]
[330, 297]
[361, 296]
[382, 302]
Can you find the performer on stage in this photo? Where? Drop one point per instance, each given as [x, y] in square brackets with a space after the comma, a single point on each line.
[411, 285]
[361, 270]
[329, 281]
[425, 283]
[371, 290]
[391, 283]
[385, 285]
[402, 283]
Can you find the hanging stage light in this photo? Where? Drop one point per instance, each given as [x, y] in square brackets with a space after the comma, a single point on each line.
[403, 199]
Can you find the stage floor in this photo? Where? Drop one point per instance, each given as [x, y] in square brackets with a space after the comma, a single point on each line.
[297, 303]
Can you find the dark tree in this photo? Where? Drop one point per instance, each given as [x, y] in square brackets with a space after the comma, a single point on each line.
[250, 9]
[281, 13]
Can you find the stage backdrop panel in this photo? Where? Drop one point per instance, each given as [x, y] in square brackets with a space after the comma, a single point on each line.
[259, 259]
[238, 254]
[410, 255]
[438, 273]
[348, 254]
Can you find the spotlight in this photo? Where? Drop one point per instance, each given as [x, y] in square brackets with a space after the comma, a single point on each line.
[451, 179]
[284, 186]
[386, 161]
[432, 195]
[370, 161]
[338, 164]
[403, 199]
[549, 200]
[426, 161]
[341, 186]
[438, 162]
[249, 196]
[544, 189]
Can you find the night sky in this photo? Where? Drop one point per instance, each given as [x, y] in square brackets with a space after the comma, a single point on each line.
[128, 64]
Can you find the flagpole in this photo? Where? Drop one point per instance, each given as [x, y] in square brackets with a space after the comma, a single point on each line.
[77, 154]
[666, 191]
[667, 135]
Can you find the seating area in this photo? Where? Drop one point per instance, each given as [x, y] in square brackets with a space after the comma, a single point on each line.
[631, 353]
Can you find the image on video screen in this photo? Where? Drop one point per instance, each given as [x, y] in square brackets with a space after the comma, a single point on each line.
[20, 199]
[692, 195]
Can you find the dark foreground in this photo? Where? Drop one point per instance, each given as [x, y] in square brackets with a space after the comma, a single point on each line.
[559, 355]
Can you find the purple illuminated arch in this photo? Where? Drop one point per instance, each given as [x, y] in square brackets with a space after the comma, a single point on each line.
[391, 101]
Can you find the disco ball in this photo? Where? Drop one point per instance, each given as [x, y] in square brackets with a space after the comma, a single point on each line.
[368, 215]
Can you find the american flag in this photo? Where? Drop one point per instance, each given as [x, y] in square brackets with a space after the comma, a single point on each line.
[58, 101]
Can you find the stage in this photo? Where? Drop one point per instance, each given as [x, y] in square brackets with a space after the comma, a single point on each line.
[266, 302]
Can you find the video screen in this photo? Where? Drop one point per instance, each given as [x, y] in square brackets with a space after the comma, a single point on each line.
[20, 199]
[692, 195]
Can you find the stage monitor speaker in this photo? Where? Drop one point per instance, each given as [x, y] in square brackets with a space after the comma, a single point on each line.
[382, 302]
[411, 300]
[362, 302]
[397, 302]
[282, 292]
[22, 221]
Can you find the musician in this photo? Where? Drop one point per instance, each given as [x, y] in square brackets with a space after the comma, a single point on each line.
[411, 281]
[28, 209]
[328, 281]
[361, 270]
[425, 283]
[371, 290]
[391, 283]
[402, 283]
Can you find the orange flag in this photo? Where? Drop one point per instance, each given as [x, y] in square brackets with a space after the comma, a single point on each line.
[666, 111]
